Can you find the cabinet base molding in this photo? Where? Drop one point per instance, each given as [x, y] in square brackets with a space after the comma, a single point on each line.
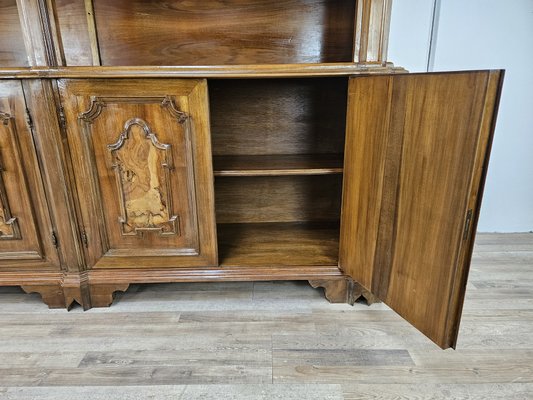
[51, 294]
[76, 289]
[344, 290]
[102, 295]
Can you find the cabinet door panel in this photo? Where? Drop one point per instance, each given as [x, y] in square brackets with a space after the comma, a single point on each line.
[142, 153]
[25, 227]
[416, 154]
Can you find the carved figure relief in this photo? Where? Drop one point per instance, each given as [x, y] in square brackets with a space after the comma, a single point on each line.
[142, 166]
[9, 228]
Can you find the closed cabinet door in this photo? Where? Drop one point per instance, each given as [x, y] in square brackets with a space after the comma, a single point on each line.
[417, 149]
[27, 239]
[142, 163]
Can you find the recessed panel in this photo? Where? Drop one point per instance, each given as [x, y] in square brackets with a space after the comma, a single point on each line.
[12, 50]
[181, 32]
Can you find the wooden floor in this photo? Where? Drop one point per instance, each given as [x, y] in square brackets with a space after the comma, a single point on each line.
[271, 340]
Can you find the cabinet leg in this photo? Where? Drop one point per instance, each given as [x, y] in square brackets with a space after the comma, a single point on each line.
[344, 291]
[101, 295]
[52, 295]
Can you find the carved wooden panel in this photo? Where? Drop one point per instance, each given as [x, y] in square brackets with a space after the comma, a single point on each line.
[9, 228]
[25, 226]
[144, 180]
[142, 166]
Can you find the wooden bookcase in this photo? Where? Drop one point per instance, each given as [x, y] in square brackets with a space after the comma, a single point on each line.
[171, 141]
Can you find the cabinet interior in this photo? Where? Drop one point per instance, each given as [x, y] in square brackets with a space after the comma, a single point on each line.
[224, 32]
[278, 160]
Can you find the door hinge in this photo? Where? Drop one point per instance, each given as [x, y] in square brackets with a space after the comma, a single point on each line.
[62, 120]
[84, 238]
[53, 237]
[29, 119]
[468, 221]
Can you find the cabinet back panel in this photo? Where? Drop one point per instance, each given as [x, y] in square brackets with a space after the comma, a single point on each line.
[183, 32]
[12, 50]
[72, 23]
[278, 116]
[278, 199]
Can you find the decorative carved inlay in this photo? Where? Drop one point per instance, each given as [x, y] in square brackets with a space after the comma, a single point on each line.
[94, 110]
[9, 228]
[4, 117]
[171, 107]
[142, 166]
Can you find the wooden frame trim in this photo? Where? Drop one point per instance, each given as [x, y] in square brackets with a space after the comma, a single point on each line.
[371, 36]
[40, 33]
[267, 273]
[93, 35]
[204, 71]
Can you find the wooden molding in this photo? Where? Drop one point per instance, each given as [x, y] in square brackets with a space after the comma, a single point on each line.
[94, 111]
[372, 24]
[343, 290]
[169, 104]
[52, 294]
[203, 71]
[102, 295]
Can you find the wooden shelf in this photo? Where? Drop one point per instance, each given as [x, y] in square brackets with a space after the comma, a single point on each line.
[275, 165]
[278, 244]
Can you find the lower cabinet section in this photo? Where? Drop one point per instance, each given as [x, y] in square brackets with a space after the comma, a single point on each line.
[365, 186]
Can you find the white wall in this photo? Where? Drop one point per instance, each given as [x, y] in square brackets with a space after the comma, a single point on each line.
[479, 34]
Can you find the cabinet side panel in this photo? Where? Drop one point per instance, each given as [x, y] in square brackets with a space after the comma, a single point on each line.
[366, 142]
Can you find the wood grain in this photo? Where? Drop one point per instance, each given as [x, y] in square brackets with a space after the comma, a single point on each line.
[275, 117]
[278, 198]
[74, 34]
[278, 244]
[163, 157]
[25, 240]
[199, 71]
[427, 168]
[12, 50]
[278, 165]
[178, 32]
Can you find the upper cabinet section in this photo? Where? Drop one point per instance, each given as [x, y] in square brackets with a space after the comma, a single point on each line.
[194, 33]
[181, 32]
[12, 50]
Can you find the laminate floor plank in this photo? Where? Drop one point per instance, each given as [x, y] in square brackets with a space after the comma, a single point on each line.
[181, 392]
[504, 391]
[273, 340]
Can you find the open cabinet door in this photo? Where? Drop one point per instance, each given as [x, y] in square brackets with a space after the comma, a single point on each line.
[417, 149]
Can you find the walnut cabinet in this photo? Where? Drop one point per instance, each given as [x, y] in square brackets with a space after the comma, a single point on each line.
[253, 140]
